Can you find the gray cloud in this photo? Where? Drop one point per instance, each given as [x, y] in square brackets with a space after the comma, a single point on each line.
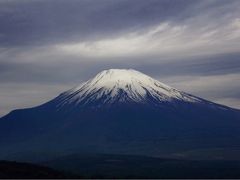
[74, 70]
[41, 22]
[222, 89]
[36, 22]
[47, 46]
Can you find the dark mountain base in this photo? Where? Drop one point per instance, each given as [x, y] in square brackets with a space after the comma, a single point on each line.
[126, 166]
[16, 170]
[120, 166]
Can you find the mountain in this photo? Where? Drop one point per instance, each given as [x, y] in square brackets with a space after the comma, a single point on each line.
[123, 112]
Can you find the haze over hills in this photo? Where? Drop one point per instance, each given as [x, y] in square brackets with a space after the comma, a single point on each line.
[123, 111]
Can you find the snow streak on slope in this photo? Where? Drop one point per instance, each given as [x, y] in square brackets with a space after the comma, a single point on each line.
[121, 85]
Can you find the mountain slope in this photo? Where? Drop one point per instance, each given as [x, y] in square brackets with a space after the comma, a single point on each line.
[122, 111]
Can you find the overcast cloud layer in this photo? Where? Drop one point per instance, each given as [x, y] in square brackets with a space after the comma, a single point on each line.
[47, 47]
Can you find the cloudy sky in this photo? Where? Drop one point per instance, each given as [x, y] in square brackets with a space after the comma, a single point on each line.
[47, 47]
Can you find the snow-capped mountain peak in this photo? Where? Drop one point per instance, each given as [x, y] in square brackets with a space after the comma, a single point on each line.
[120, 85]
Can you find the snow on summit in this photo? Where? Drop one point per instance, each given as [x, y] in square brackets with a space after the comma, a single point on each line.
[122, 85]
